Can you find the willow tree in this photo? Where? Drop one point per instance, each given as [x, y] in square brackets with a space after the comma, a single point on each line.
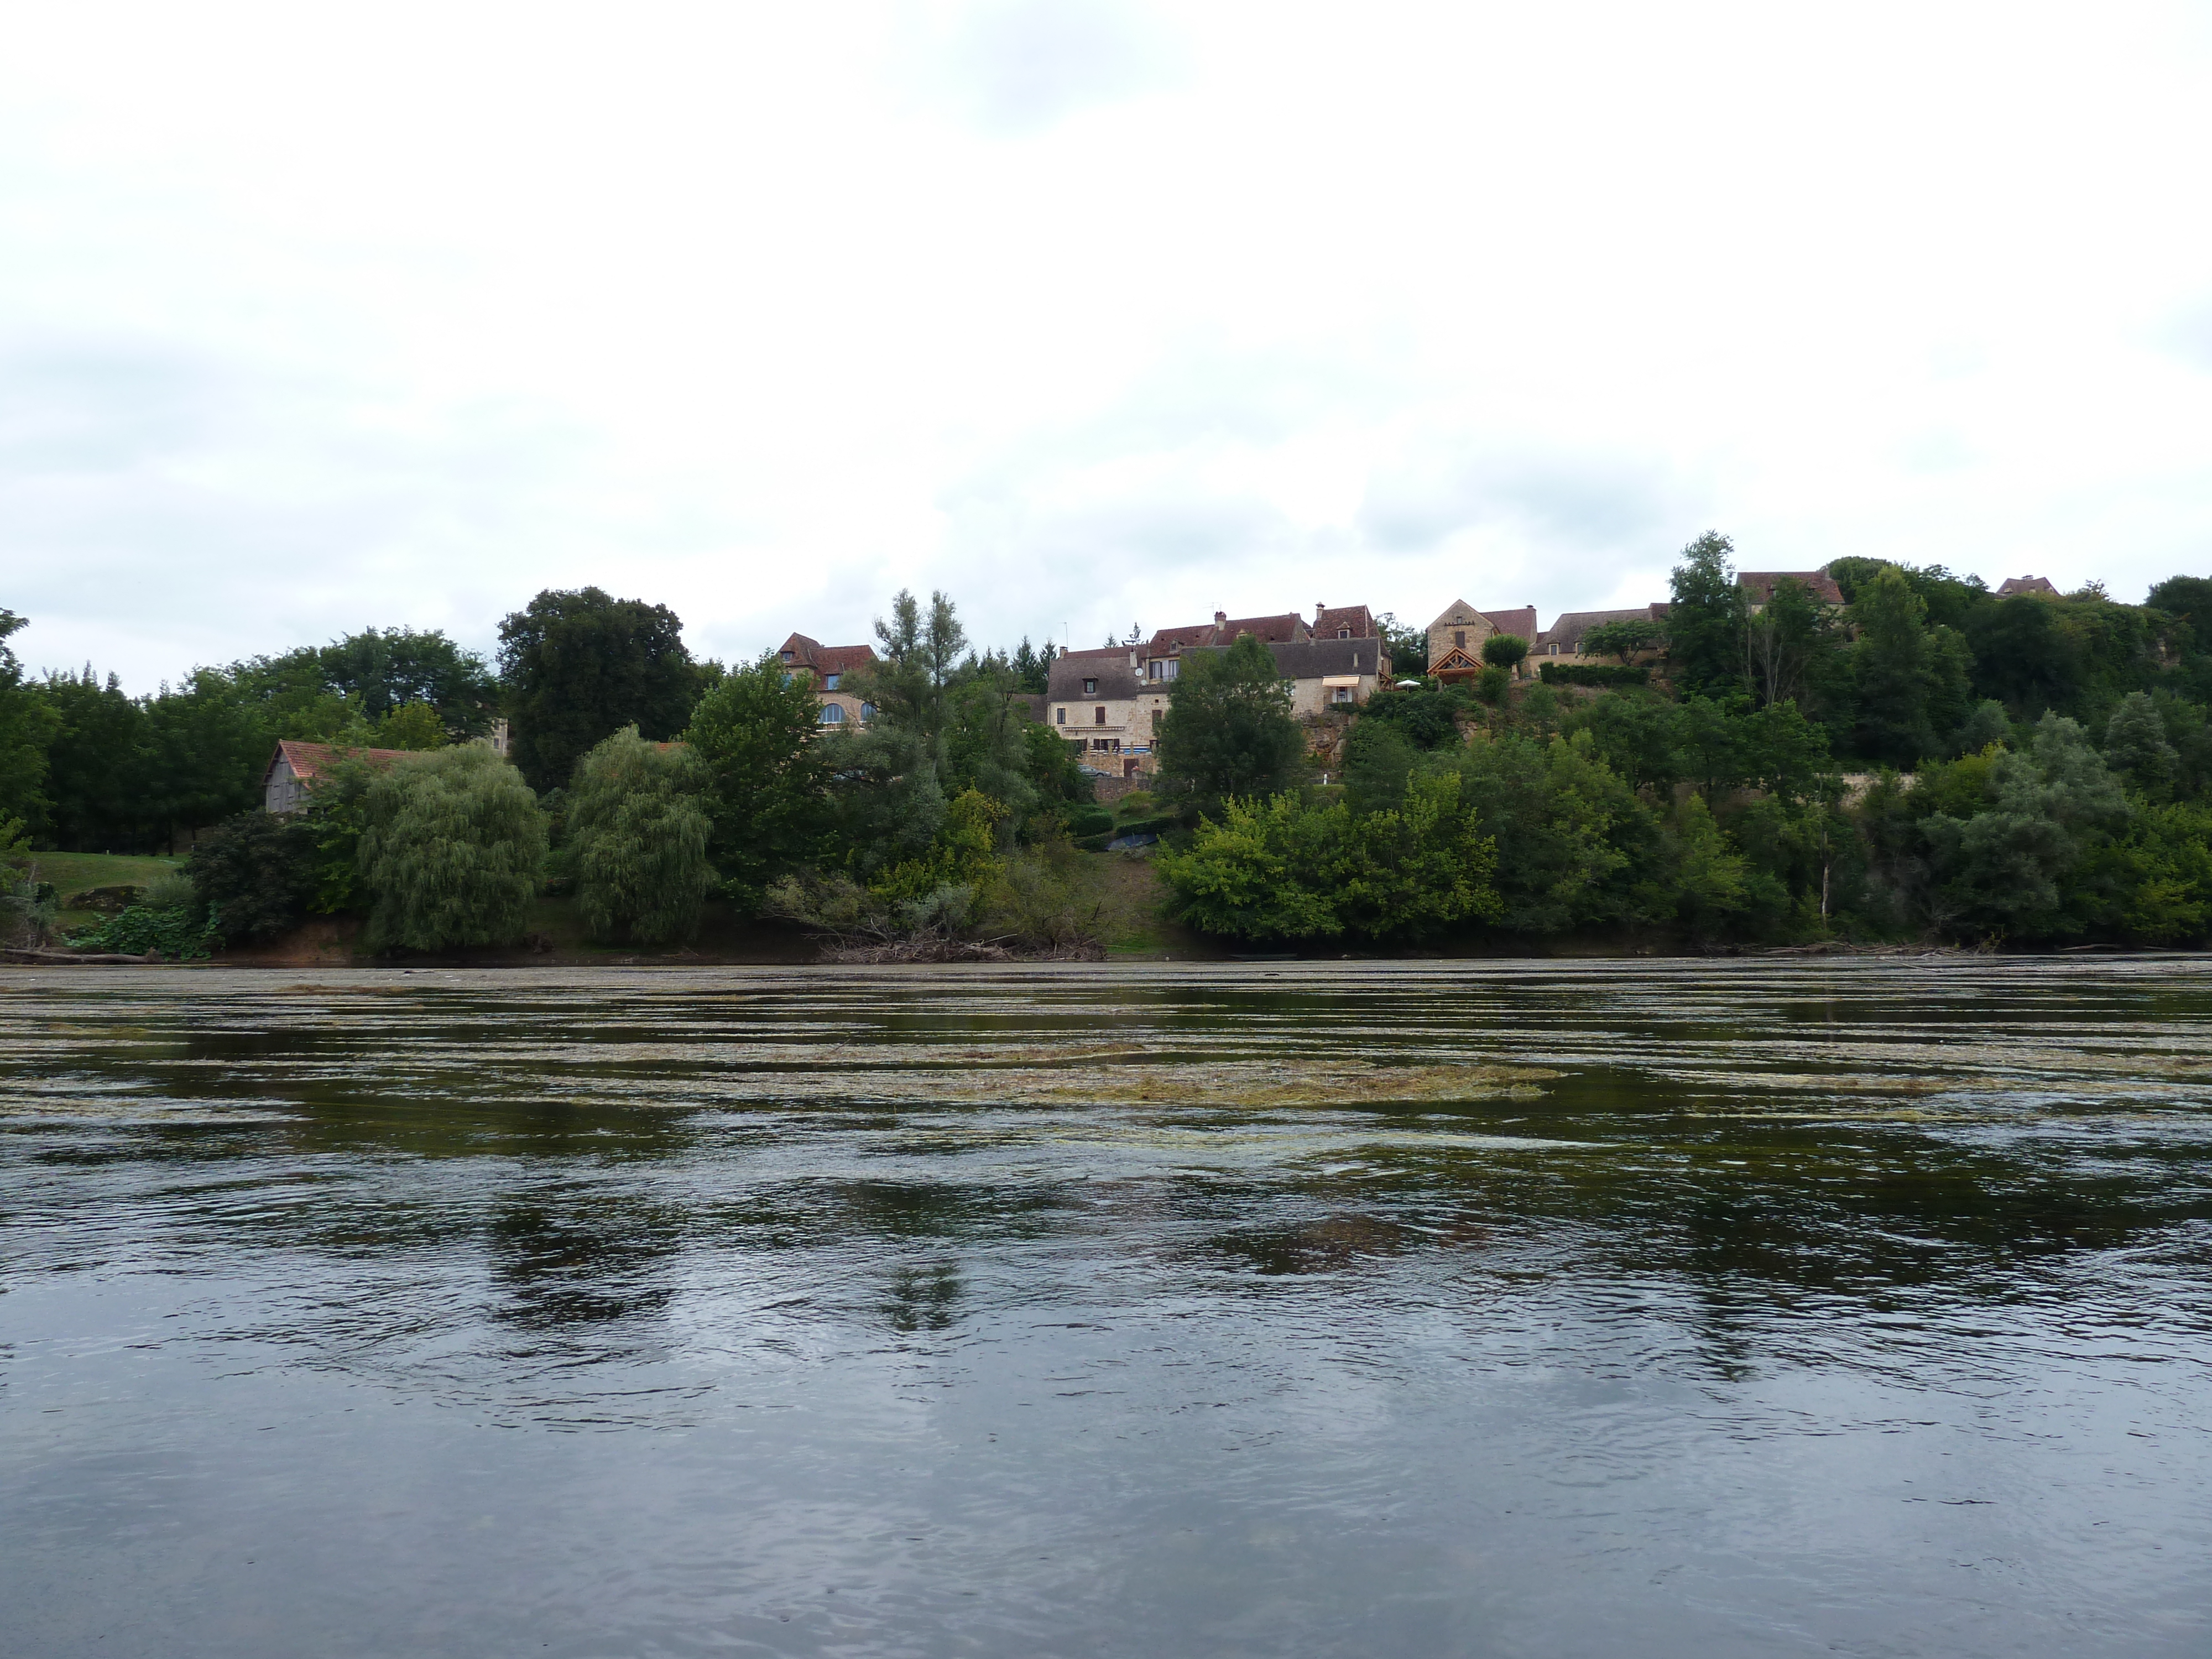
[640, 836]
[451, 851]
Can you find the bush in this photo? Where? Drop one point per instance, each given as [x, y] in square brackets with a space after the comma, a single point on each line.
[1089, 820]
[452, 851]
[637, 835]
[185, 933]
[257, 870]
[172, 890]
[1591, 673]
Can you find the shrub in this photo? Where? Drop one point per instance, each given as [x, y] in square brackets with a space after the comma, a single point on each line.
[184, 933]
[452, 851]
[257, 870]
[1591, 673]
[637, 835]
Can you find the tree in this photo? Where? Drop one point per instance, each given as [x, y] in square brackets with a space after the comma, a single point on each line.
[640, 840]
[930, 645]
[1428, 714]
[1260, 870]
[1032, 667]
[1628, 639]
[1891, 672]
[257, 870]
[767, 775]
[95, 763]
[1228, 730]
[580, 665]
[411, 725]
[2135, 745]
[1505, 651]
[1706, 621]
[27, 725]
[1780, 642]
[1407, 648]
[205, 747]
[1569, 834]
[382, 671]
[452, 852]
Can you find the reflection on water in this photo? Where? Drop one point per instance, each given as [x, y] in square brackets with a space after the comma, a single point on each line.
[1489, 1308]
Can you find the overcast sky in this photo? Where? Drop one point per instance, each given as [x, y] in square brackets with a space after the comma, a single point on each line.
[1091, 313]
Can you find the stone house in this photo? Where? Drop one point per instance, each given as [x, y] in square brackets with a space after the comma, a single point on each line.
[1562, 642]
[2041, 586]
[825, 667]
[1096, 699]
[1331, 673]
[1456, 638]
[295, 767]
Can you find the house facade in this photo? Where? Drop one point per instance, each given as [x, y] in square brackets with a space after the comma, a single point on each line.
[1096, 701]
[824, 667]
[1456, 637]
[295, 768]
[1562, 642]
[1758, 587]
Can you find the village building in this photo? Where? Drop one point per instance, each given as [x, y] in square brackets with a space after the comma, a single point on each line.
[2041, 587]
[296, 767]
[1331, 673]
[1456, 637]
[1562, 642]
[1758, 587]
[1095, 701]
[824, 667]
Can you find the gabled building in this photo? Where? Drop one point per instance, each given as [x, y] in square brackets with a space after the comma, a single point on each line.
[296, 767]
[2041, 587]
[1098, 701]
[1159, 655]
[1331, 673]
[1562, 642]
[825, 667]
[1349, 621]
[1456, 638]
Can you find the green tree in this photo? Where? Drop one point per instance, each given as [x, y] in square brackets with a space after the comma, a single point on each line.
[1428, 714]
[1407, 648]
[579, 666]
[767, 775]
[1706, 621]
[1228, 730]
[1417, 868]
[1637, 733]
[2135, 745]
[257, 870]
[638, 836]
[382, 671]
[410, 725]
[1378, 761]
[28, 727]
[1891, 672]
[95, 763]
[1628, 639]
[1570, 833]
[1783, 644]
[452, 852]
[205, 750]
[1260, 870]
[1505, 651]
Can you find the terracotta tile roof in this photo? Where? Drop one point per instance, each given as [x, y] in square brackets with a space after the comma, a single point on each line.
[800, 651]
[310, 761]
[1356, 618]
[2041, 586]
[1759, 584]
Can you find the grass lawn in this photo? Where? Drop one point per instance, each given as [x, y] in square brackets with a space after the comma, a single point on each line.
[72, 872]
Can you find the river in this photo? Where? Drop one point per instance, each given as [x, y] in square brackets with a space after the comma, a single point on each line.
[1659, 1308]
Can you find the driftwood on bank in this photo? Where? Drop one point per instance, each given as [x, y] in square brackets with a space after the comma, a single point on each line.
[88, 958]
[938, 947]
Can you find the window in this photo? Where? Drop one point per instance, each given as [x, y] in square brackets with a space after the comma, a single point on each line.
[788, 679]
[1060, 715]
[1098, 716]
[1152, 670]
[832, 714]
[1090, 688]
[1459, 638]
[830, 682]
[867, 712]
[1344, 633]
[787, 656]
[1341, 694]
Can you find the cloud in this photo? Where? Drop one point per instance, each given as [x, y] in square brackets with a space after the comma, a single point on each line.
[1017, 67]
[1573, 500]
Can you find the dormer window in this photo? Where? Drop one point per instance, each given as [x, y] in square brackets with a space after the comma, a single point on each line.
[1344, 633]
[830, 682]
[787, 656]
[1090, 688]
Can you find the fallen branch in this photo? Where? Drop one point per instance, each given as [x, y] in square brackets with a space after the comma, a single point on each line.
[93, 959]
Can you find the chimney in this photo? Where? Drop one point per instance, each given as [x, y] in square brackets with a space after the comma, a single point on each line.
[1318, 608]
[1219, 617]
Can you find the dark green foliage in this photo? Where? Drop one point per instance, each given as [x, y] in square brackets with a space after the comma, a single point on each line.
[579, 666]
[1706, 621]
[1637, 735]
[1504, 650]
[1031, 668]
[383, 670]
[1280, 870]
[1628, 639]
[27, 725]
[767, 777]
[181, 933]
[96, 757]
[452, 852]
[1591, 673]
[1427, 714]
[1569, 831]
[638, 834]
[2135, 746]
[257, 870]
[1407, 648]
[1379, 759]
[1228, 730]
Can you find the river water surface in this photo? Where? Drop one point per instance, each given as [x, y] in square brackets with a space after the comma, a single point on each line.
[1541, 1310]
